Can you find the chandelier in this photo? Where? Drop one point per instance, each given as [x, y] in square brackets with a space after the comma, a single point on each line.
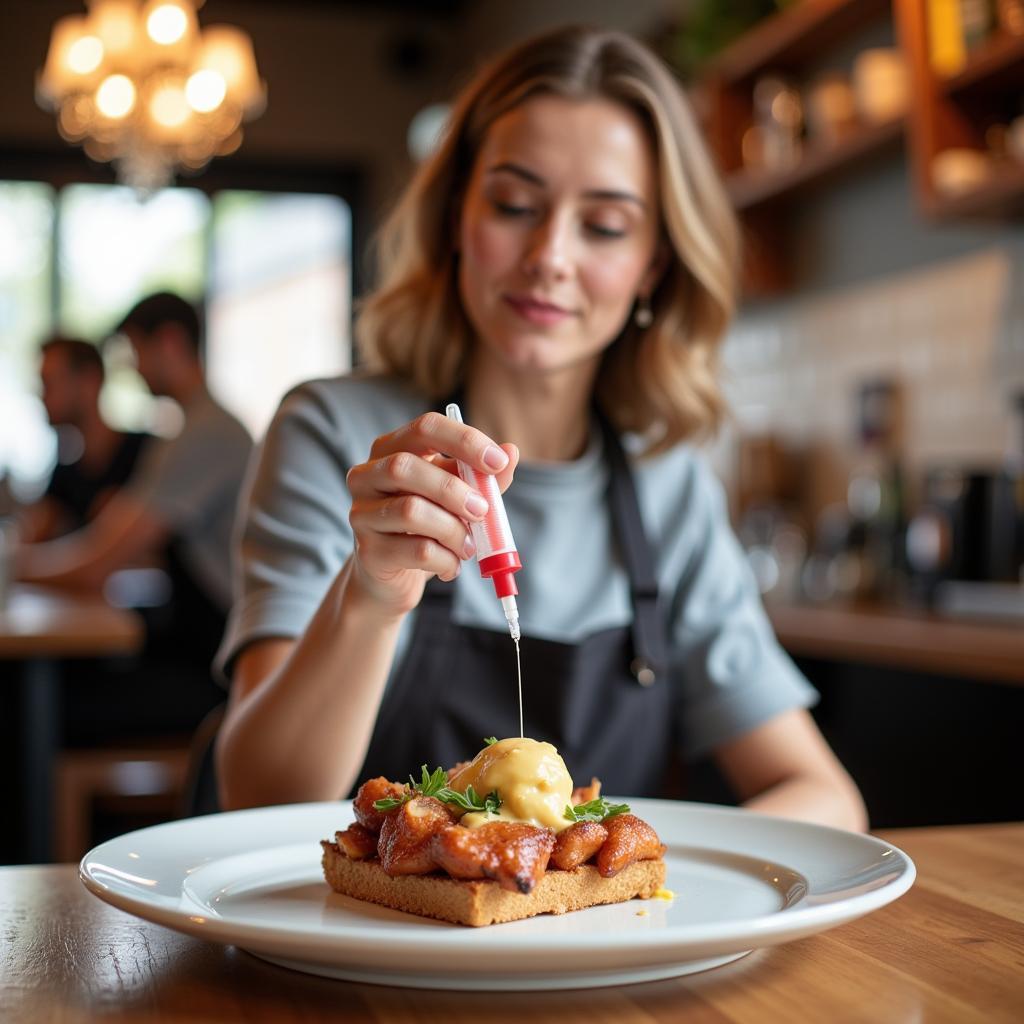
[140, 85]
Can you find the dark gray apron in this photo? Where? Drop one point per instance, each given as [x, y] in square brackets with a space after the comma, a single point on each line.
[605, 702]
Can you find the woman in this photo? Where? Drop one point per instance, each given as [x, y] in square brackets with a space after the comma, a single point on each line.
[565, 265]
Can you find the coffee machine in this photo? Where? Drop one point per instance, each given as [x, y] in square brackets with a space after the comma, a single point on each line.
[969, 525]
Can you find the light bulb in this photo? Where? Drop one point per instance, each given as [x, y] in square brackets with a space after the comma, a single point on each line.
[116, 96]
[168, 106]
[85, 54]
[61, 74]
[114, 22]
[205, 90]
[228, 50]
[166, 24]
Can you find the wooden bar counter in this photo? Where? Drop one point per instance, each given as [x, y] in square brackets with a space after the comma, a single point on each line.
[951, 949]
[903, 638]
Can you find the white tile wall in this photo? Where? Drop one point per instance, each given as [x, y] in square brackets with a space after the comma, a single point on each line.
[952, 334]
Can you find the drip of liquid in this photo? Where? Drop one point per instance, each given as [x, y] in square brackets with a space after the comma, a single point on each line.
[519, 680]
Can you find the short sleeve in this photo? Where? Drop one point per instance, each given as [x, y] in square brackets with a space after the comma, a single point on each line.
[181, 478]
[731, 669]
[294, 533]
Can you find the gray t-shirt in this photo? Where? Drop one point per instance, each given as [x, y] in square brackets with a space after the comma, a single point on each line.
[191, 483]
[728, 671]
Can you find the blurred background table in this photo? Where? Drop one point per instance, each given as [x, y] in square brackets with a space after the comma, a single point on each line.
[949, 950]
[44, 623]
[39, 627]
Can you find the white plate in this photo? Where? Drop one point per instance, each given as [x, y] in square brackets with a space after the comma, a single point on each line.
[742, 881]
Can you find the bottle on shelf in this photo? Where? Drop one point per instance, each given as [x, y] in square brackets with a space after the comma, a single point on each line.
[875, 494]
[947, 48]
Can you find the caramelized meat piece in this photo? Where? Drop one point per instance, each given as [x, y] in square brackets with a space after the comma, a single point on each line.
[357, 843]
[515, 855]
[577, 844]
[629, 840]
[371, 790]
[404, 844]
[584, 794]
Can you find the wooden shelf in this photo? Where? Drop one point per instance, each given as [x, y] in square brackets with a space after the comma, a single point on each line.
[791, 38]
[791, 42]
[1003, 195]
[901, 638]
[944, 113]
[748, 189]
[998, 62]
[952, 112]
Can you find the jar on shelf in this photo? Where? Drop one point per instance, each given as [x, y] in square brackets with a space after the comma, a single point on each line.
[831, 108]
[881, 84]
[779, 118]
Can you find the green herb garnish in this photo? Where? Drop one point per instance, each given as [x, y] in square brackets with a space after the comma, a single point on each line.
[430, 784]
[595, 810]
[489, 740]
[390, 803]
[469, 801]
[435, 784]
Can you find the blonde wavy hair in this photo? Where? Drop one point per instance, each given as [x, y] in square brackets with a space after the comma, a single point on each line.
[659, 381]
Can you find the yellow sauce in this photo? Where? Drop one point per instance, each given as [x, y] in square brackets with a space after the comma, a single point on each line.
[665, 894]
[530, 777]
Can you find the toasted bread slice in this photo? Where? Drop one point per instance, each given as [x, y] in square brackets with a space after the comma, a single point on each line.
[485, 902]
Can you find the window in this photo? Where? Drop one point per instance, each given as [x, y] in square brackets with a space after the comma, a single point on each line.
[113, 249]
[26, 270]
[274, 269]
[276, 309]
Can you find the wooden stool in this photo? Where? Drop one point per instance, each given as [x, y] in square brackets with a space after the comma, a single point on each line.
[141, 779]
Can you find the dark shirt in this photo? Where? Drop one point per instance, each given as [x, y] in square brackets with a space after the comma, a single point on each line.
[76, 490]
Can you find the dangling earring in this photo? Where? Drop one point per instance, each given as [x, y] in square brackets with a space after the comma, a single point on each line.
[643, 316]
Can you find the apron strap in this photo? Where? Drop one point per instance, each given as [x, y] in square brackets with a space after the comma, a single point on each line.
[649, 656]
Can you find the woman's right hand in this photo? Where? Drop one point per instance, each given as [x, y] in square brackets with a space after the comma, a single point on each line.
[410, 507]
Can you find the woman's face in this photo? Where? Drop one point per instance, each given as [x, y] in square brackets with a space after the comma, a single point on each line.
[558, 231]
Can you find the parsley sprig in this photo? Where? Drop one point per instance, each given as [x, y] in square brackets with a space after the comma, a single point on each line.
[595, 810]
[469, 801]
[435, 784]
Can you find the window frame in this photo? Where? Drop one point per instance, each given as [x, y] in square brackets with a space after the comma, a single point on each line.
[60, 168]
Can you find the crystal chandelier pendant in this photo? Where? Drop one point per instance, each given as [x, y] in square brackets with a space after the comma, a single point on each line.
[140, 85]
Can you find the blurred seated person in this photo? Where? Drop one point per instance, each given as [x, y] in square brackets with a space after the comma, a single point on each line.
[179, 503]
[71, 374]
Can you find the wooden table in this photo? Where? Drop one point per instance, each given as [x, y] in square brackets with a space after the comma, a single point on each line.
[38, 627]
[952, 949]
[42, 622]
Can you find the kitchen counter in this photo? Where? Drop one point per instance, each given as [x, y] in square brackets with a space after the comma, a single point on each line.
[903, 638]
